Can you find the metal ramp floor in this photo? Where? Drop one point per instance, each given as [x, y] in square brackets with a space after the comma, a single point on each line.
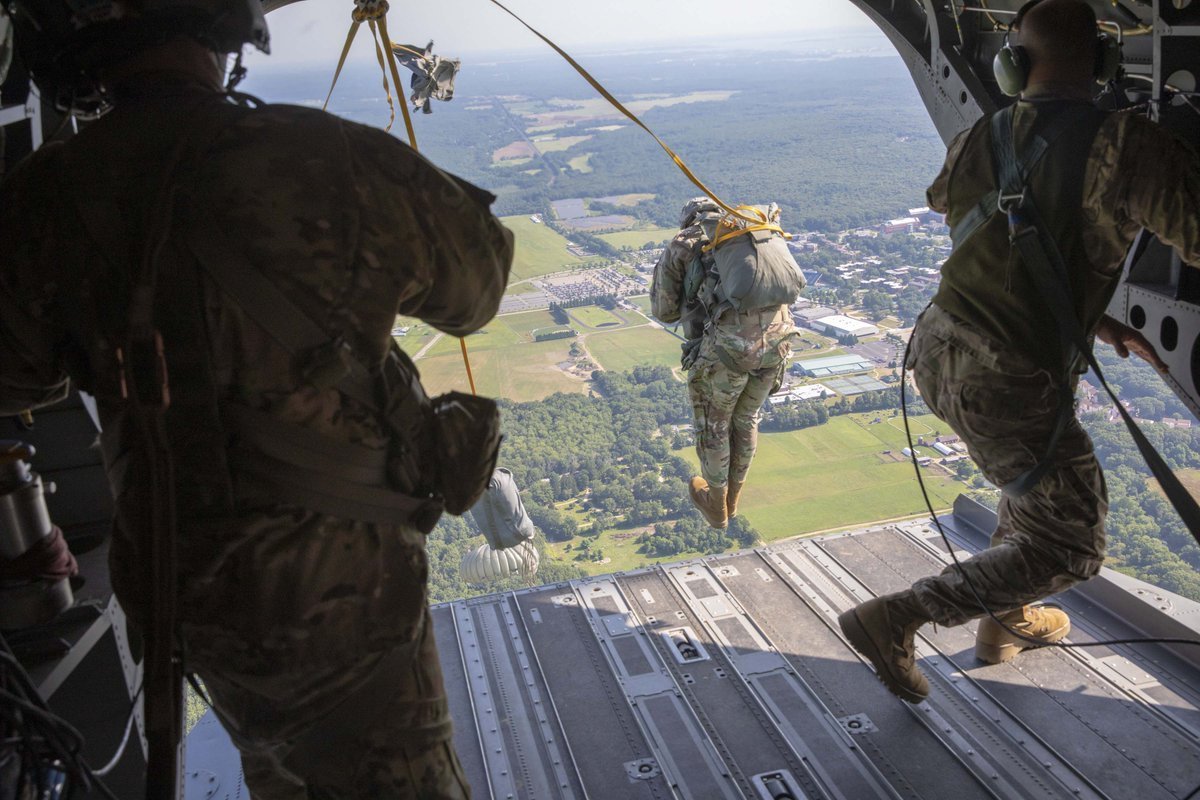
[728, 678]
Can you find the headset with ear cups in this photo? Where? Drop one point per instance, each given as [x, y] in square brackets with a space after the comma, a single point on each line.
[1011, 64]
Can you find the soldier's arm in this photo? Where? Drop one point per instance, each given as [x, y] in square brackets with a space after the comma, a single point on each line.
[446, 251]
[666, 290]
[937, 196]
[31, 375]
[1156, 184]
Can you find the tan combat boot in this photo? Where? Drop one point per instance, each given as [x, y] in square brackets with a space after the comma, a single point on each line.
[882, 630]
[994, 645]
[731, 498]
[710, 500]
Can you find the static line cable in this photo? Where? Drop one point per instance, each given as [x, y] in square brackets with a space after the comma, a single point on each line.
[958, 564]
[376, 19]
[615, 103]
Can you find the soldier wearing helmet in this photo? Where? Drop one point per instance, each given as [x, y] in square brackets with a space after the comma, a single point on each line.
[300, 473]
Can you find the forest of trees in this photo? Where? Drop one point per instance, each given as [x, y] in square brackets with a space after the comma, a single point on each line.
[820, 180]
[607, 457]
[1146, 536]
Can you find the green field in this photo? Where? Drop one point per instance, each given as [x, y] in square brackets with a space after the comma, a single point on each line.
[631, 199]
[642, 301]
[835, 476]
[638, 238]
[495, 336]
[619, 546]
[528, 321]
[419, 334]
[539, 250]
[558, 145]
[643, 346]
[596, 317]
[580, 163]
[523, 373]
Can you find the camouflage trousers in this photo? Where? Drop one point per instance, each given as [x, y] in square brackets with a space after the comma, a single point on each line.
[1005, 410]
[290, 626]
[725, 405]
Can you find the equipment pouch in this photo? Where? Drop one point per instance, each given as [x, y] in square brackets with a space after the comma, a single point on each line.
[466, 443]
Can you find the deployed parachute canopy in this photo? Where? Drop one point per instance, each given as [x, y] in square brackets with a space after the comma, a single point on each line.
[501, 518]
[484, 564]
[433, 76]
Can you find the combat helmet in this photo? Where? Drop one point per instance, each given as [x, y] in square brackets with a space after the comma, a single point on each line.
[693, 208]
[64, 43]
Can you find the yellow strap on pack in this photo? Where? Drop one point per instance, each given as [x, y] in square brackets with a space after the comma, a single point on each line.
[633, 117]
[727, 229]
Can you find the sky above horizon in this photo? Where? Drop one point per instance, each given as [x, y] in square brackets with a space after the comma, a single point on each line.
[313, 31]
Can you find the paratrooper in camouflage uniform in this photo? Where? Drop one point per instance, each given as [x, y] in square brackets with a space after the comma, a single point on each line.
[985, 354]
[285, 611]
[734, 363]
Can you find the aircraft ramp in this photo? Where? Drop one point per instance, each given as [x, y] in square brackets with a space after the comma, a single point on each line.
[729, 678]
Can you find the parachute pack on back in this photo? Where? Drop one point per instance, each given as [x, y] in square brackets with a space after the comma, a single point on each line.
[754, 267]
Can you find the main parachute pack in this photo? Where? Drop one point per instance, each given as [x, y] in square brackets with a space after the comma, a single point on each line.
[753, 265]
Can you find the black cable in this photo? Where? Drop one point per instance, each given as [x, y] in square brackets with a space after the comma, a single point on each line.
[37, 724]
[954, 557]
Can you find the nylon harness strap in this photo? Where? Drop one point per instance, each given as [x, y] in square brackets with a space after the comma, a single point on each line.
[1012, 174]
[989, 204]
[1044, 261]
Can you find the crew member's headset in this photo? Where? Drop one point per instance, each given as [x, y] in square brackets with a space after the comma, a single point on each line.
[1011, 64]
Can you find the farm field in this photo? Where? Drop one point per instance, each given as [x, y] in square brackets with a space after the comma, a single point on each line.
[523, 373]
[639, 237]
[561, 110]
[558, 145]
[834, 476]
[539, 250]
[625, 349]
[1190, 478]
[580, 163]
[626, 199]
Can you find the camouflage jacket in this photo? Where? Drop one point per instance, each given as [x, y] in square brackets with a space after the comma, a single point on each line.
[666, 288]
[348, 223]
[1137, 174]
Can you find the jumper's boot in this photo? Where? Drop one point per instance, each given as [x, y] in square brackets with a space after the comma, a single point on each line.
[710, 500]
[1046, 624]
[731, 498]
[882, 630]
